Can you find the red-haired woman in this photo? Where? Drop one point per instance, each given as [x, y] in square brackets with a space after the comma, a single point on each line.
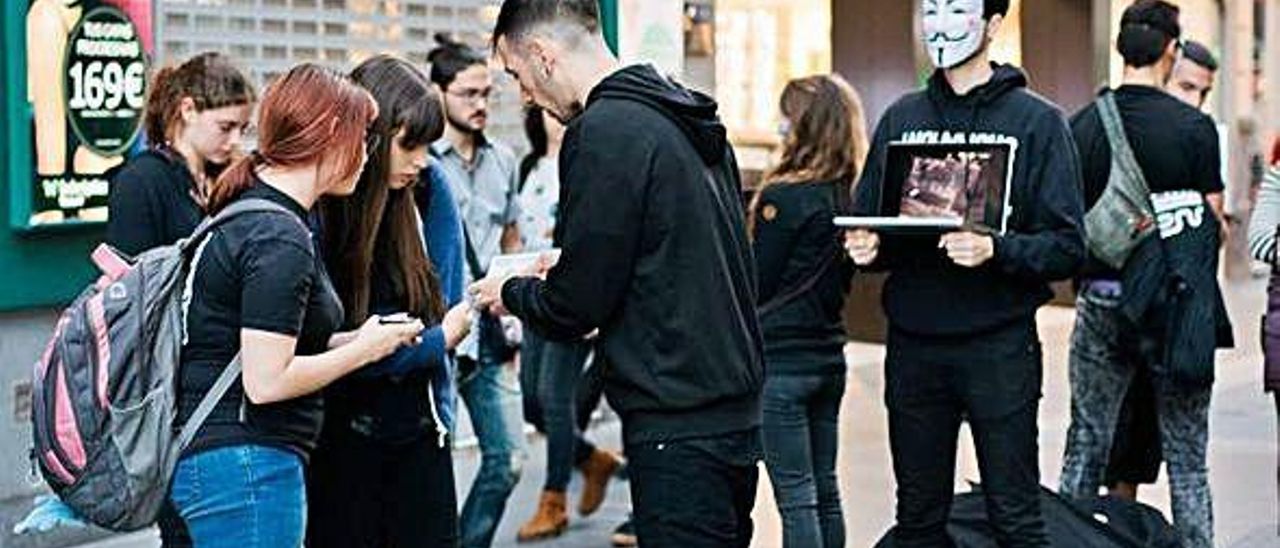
[262, 290]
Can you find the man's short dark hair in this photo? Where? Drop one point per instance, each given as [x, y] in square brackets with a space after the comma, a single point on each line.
[1146, 29]
[1199, 54]
[517, 17]
[992, 8]
[451, 57]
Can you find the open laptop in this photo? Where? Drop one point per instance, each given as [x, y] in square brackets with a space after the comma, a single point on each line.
[938, 188]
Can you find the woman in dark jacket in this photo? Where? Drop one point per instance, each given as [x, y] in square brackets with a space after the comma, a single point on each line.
[196, 115]
[383, 472]
[803, 277]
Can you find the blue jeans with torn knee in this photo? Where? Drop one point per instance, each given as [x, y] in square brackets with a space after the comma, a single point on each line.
[491, 393]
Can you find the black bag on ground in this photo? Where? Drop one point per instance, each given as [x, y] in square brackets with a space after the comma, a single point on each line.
[1105, 522]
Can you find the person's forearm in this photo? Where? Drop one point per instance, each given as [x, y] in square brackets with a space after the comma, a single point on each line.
[426, 355]
[303, 375]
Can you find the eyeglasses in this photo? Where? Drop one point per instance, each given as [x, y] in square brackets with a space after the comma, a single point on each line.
[472, 95]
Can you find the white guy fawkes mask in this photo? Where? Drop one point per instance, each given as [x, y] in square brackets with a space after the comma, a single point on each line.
[953, 30]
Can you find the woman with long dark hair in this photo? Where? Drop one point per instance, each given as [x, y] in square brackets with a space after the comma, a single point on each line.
[803, 277]
[383, 472]
[261, 291]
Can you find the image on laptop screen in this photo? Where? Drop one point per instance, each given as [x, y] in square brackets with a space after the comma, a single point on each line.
[953, 184]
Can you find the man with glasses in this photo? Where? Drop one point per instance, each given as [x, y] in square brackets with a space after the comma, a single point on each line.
[483, 177]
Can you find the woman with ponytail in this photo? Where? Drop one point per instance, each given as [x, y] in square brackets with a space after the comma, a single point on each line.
[803, 277]
[262, 291]
[196, 116]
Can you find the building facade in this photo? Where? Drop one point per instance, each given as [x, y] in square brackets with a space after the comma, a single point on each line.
[266, 37]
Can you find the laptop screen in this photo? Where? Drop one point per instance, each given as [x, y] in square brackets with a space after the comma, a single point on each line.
[949, 184]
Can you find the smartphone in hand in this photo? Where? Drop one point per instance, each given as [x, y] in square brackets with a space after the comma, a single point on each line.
[398, 318]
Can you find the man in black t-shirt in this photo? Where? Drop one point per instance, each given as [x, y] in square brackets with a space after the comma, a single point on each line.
[1176, 147]
[1135, 451]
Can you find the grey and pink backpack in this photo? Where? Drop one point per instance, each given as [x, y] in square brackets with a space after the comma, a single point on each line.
[105, 389]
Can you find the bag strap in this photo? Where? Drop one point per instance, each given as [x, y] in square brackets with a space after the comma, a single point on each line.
[473, 261]
[837, 195]
[1121, 151]
[231, 373]
[210, 401]
[778, 301]
[239, 207]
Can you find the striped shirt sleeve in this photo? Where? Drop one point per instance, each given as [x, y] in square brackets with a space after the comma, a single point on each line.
[1266, 217]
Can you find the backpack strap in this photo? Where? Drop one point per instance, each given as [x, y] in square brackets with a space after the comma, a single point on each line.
[1121, 151]
[231, 373]
[220, 387]
[237, 208]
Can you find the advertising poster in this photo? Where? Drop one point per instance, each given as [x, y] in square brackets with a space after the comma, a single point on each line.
[86, 72]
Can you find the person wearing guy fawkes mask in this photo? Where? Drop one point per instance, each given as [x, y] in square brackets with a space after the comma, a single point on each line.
[962, 341]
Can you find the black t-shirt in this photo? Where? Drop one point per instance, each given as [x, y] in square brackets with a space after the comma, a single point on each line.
[1176, 146]
[258, 271]
[151, 203]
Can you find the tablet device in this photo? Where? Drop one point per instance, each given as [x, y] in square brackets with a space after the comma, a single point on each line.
[942, 187]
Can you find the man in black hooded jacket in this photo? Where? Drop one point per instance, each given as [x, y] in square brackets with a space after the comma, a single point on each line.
[962, 342]
[655, 256]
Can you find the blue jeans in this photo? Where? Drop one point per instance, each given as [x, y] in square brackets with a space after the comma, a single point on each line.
[242, 496]
[800, 434]
[491, 393]
[1101, 370]
[550, 373]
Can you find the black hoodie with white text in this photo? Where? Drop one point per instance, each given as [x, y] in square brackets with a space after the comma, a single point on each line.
[926, 293]
[656, 256]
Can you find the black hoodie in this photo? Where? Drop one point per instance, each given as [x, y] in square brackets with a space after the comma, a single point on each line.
[655, 255]
[926, 293]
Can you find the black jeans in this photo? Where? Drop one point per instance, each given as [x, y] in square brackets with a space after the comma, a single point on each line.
[362, 492]
[696, 492]
[801, 433]
[173, 531]
[550, 374]
[992, 380]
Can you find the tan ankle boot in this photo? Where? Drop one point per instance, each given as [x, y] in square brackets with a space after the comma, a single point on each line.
[550, 521]
[596, 472]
